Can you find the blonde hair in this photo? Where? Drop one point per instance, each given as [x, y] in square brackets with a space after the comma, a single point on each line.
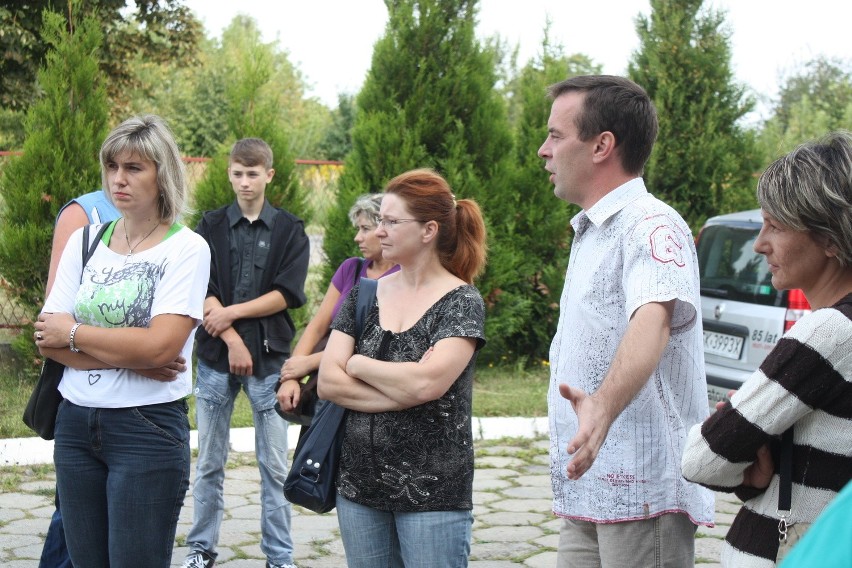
[367, 205]
[150, 138]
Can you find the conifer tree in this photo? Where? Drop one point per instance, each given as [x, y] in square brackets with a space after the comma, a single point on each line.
[814, 100]
[536, 220]
[64, 131]
[429, 100]
[253, 108]
[704, 161]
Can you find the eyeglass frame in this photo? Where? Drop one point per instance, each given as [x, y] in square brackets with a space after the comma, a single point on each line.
[390, 223]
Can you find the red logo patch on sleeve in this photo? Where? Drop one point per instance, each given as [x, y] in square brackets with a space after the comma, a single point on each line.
[667, 246]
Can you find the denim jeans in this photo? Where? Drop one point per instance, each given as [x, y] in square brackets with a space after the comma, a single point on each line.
[122, 474]
[387, 539]
[54, 554]
[215, 393]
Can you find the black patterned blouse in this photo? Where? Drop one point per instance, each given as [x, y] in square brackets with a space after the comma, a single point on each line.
[419, 459]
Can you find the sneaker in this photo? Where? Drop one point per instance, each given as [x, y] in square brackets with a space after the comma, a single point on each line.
[198, 559]
[271, 565]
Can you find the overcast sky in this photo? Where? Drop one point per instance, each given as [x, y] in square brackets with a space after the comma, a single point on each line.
[331, 41]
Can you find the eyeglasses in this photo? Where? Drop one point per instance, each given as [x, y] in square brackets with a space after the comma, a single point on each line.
[388, 223]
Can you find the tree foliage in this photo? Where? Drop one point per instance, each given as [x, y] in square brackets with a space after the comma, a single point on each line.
[814, 100]
[158, 30]
[64, 132]
[337, 140]
[430, 100]
[704, 161]
[427, 97]
[259, 92]
[535, 220]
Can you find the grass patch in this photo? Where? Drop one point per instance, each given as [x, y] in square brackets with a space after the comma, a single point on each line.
[11, 477]
[15, 391]
[510, 391]
[497, 391]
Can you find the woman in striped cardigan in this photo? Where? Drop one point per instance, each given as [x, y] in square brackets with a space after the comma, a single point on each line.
[806, 381]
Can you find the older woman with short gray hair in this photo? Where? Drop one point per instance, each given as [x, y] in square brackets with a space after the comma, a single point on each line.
[295, 398]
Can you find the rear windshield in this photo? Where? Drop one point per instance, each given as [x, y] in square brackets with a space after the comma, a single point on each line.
[731, 269]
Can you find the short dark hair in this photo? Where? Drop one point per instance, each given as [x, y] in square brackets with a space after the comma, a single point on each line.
[617, 105]
[252, 152]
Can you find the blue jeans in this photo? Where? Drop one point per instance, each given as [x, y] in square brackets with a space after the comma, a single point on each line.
[122, 474]
[55, 552]
[215, 393]
[387, 539]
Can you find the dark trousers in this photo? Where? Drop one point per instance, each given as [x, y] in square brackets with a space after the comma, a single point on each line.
[55, 553]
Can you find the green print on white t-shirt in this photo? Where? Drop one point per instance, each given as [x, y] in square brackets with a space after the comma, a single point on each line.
[118, 297]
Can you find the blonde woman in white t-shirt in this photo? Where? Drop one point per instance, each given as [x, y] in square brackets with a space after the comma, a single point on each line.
[124, 326]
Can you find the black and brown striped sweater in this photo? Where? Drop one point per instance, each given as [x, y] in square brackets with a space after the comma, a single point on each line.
[805, 381]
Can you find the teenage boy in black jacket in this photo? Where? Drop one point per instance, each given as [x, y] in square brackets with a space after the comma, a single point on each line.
[257, 272]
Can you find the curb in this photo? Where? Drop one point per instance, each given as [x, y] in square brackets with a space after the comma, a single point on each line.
[35, 451]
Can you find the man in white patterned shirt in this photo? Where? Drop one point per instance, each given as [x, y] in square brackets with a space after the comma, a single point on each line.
[627, 361]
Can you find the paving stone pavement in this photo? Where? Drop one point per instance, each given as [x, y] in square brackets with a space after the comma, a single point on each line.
[513, 523]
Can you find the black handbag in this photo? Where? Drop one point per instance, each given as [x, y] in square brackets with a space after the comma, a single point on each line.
[313, 473]
[40, 413]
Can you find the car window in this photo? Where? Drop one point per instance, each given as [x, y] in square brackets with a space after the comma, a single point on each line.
[731, 269]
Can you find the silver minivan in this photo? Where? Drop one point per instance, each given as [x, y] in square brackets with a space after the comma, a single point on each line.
[743, 315]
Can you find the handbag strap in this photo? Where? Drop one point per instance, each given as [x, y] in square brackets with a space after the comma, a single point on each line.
[365, 300]
[785, 486]
[89, 250]
[358, 268]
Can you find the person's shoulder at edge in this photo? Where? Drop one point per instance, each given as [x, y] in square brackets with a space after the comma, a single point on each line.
[819, 546]
[189, 235]
[346, 269]
[287, 214]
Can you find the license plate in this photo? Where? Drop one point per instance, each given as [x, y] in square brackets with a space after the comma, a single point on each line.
[723, 345]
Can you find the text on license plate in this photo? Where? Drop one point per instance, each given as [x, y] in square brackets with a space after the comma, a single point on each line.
[723, 345]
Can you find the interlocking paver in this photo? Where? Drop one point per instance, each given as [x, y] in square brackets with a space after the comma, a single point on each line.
[513, 523]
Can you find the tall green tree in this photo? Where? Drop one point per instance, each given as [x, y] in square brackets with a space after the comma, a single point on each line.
[704, 160]
[430, 100]
[196, 98]
[337, 139]
[814, 100]
[534, 218]
[64, 132]
[155, 30]
[160, 29]
[248, 74]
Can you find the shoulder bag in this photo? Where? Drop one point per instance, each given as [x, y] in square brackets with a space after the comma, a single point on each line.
[40, 413]
[313, 473]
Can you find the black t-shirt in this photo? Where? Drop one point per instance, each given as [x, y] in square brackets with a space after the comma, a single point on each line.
[419, 459]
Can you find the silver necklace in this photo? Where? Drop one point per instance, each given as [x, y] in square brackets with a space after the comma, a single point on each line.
[127, 239]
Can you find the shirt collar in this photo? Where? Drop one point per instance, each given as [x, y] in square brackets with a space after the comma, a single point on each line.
[235, 215]
[609, 204]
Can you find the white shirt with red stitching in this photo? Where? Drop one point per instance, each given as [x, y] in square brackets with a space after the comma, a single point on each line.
[629, 249]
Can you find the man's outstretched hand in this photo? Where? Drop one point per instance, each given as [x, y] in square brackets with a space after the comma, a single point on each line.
[594, 422]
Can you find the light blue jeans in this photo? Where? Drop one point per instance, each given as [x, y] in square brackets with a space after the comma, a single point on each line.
[382, 539]
[215, 393]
